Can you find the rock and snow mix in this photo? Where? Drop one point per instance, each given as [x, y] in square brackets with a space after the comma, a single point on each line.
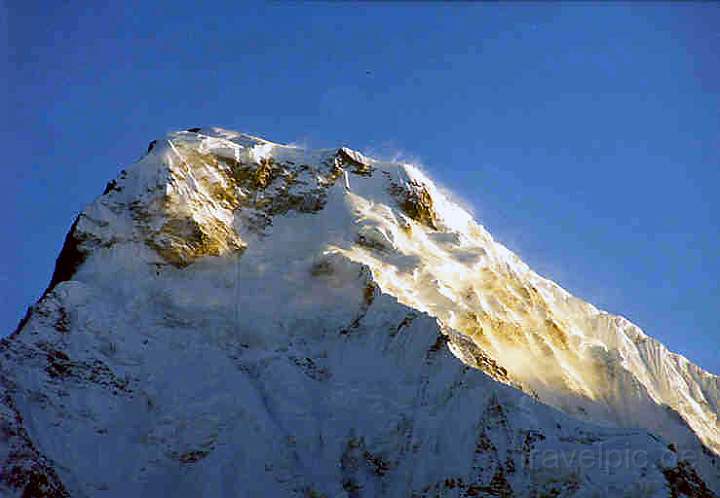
[234, 317]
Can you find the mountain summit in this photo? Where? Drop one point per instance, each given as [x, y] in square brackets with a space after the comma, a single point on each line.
[234, 317]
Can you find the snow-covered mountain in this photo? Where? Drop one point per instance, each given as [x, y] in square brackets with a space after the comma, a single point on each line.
[235, 317]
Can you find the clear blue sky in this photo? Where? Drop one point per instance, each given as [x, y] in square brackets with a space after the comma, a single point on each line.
[585, 136]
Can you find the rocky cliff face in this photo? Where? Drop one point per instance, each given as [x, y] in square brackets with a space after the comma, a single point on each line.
[234, 317]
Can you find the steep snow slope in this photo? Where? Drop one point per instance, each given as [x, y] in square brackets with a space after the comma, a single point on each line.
[233, 317]
[588, 363]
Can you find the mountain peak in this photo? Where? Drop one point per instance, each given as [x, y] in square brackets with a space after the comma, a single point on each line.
[352, 306]
[213, 192]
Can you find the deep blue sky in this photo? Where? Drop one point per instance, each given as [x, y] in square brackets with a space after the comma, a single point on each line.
[585, 136]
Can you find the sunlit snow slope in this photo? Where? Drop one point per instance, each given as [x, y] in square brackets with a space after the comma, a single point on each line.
[234, 317]
[580, 359]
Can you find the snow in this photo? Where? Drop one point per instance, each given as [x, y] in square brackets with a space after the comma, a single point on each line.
[307, 353]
